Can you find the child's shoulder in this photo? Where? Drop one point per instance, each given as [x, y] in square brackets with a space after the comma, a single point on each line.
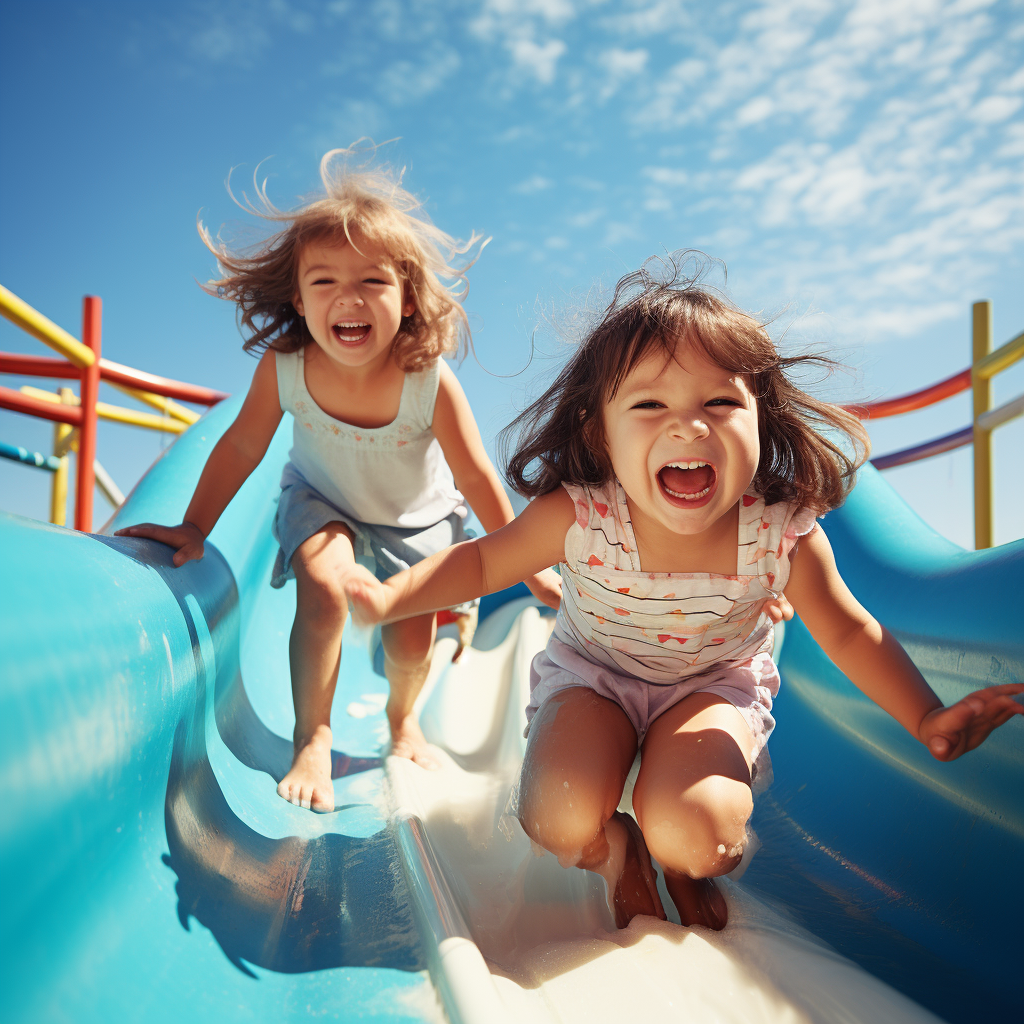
[789, 518]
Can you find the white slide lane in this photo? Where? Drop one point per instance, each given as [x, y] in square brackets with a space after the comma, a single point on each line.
[514, 937]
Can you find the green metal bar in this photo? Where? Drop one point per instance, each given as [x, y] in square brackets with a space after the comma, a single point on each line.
[1003, 357]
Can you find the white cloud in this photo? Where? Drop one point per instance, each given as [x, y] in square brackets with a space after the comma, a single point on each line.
[406, 81]
[667, 176]
[996, 108]
[538, 59]
[623, 63]
[530, 186]
[756, 110]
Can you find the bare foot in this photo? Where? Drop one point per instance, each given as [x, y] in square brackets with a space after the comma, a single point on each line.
[698, 900]
[308, 784]
[407, 740]
[627, 869]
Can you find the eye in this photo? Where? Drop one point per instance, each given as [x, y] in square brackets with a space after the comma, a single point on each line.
[323, 280]
[375, 280]
[724, 401]
[650, 403]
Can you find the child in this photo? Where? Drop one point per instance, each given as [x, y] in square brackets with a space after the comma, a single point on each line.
[353, 321]
[676, 476]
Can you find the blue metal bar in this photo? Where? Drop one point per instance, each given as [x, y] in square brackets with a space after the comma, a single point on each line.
[923, 451]
[16, 454]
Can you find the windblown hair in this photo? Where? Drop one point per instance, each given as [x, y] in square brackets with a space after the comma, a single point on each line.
[560, 437]
[370, 204]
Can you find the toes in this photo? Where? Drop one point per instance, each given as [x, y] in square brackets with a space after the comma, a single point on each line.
[323, 800]
[426, 760]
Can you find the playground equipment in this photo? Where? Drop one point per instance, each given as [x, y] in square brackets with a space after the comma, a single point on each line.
[152, 873]
[75, 417]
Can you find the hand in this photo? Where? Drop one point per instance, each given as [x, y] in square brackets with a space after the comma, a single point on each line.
[950, 732]
[188, 540]
[778, 608]
[367, 596]
[546, 586]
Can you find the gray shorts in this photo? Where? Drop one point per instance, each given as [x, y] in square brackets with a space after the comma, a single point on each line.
[385, 550]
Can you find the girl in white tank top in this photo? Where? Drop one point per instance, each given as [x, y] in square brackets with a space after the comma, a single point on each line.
[348, 306]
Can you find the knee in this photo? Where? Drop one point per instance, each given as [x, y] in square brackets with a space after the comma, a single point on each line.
[700, 832]
[322, 602]
[407, 648]
[559, 820]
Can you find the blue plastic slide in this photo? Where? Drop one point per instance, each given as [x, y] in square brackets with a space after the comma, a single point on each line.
[150, 873]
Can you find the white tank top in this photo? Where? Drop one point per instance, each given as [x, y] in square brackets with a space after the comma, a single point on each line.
[393, 475]
[659, 626]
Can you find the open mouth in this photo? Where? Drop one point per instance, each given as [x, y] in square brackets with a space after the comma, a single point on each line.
[687, 484]
[350, 331]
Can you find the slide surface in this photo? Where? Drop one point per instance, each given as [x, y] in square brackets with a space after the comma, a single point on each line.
[151, 873]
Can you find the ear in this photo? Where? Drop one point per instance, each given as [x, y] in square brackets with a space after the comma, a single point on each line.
[297, 303]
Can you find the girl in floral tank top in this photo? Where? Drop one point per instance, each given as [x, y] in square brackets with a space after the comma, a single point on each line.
[676, 473]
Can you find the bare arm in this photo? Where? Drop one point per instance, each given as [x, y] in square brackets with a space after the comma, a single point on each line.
[530, 543]
[871, 657]
[233, 458]
[475, 475]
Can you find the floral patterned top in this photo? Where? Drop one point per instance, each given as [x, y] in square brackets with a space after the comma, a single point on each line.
[662, 627]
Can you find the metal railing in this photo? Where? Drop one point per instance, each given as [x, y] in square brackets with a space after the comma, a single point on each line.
[985, 364]
[75, 417]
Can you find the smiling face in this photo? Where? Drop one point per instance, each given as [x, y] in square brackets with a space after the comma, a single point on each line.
[682, 438]
[352, 299]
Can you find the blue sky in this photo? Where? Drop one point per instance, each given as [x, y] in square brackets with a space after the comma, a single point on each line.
[858, 166]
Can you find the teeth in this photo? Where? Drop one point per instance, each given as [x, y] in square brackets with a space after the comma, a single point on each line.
[688, 497]
[685, 465]
[351, 323]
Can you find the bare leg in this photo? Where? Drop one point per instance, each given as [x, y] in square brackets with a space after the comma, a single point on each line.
[692, 799]
[407, 646]
[320, 564]
[580, 750]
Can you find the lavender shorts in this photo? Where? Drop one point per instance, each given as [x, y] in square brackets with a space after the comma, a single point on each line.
[749, 687]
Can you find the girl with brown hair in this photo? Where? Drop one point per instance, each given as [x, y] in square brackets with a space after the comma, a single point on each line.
[677, 474]
[347, 305]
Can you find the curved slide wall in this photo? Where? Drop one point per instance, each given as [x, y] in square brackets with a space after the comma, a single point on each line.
[149, 871]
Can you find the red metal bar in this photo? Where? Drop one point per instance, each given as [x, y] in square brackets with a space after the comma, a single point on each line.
[92, 314]
[118, 374]
[17, 402]
[48, 366]
[38, 366]
[915, 400]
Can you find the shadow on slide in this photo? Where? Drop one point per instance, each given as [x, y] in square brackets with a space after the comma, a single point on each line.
[144, 722]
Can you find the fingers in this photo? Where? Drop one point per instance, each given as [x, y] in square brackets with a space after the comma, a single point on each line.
[362, 603]
[779, 608]
[152, 531]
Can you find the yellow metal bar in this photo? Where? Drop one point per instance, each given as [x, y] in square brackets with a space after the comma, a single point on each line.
[1003, 357]
[59, 485]
[167, 405]
[30, 320]
[981, 389]
[117, 414]
[24, 316]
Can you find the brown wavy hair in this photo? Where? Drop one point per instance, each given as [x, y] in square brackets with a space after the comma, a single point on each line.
[367, 202]
[560, 437]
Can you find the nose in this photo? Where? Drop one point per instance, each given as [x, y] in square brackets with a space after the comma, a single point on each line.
[348, 295]
[689, 426]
